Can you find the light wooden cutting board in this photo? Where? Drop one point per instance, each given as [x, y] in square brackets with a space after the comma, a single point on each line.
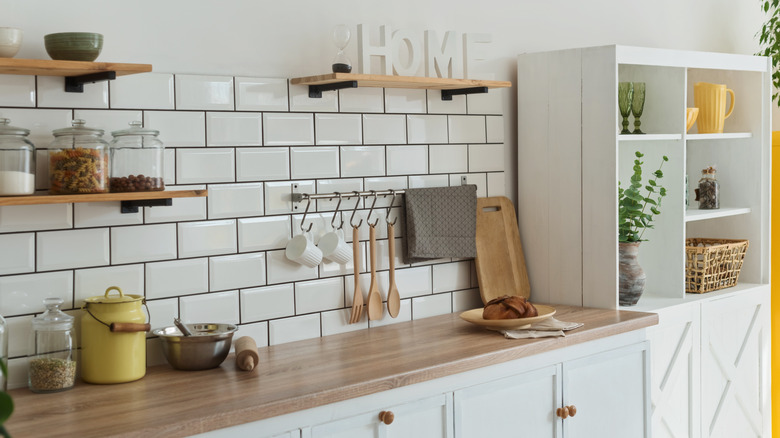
[500, 262]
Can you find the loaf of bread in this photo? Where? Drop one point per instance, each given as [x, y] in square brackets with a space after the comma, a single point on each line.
[508, 307]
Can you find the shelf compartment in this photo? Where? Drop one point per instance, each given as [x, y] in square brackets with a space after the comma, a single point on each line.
[649, 137]
[694, 214]
[129, 199]
[725, 136]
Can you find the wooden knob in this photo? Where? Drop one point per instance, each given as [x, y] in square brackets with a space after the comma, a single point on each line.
[572, 410]
[563, 412]
[386, 417]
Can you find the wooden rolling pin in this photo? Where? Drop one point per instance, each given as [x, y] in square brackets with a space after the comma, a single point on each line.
[247, 356]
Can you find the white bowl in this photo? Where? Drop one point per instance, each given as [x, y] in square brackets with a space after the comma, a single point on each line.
[10, 41]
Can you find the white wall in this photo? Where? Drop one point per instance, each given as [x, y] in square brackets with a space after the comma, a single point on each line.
[287, 38]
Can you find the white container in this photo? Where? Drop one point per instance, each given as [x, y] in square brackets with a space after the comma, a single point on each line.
[10, 41]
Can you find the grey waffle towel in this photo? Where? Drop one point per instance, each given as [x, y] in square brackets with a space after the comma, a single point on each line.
[440, 222]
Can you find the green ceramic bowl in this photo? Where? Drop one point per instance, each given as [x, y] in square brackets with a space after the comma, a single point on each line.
[73, 46]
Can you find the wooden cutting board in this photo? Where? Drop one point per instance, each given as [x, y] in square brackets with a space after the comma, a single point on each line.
[500, 262]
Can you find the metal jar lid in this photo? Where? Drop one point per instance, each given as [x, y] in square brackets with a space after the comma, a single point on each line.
[7, 129]
[78, 128]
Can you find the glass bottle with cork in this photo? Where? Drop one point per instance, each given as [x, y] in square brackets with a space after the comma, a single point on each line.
[708, 193]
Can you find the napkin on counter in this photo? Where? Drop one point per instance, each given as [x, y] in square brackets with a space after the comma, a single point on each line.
[550, 327]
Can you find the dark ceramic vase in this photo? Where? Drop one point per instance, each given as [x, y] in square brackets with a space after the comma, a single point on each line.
[632, 277]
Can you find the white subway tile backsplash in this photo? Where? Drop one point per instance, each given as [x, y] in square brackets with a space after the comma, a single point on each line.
[169, 174]
[207, 238]
[468, 299]
[178, 277]
[448, 158]
[95, 281]
[383, 252]
[52, 94]
[282, 270]
[40, 122]
[478, 179]
[234, 129]
[286, 129]
[407, 160]
[319, 295]
[300, 100]
[495, 129]
[194, 92]
[467, 129]
[362, 161]
[72, 249]
[162, 312]
[425, 307]
[257, 331]
[314, 162]
[268, 302]
[448, 277]
[235, 200]
[237, 271]
[384, 128]
[108, 120]
[385, 183]
[344, 186]
[205, 165]
[262, 164]
[261, 94]
[491, 102]
[297, 328]
[404, 314]
[221, 307]
[496, 184]
[17, 90]
[362, 100]
[426, 129]
[337, 321]
[437, 106]
[24, 294]
[143, 243]
[421, 181]
[413, 282]
[486, 157]
[405, 100]
[178, 128]
[19, 332]
[338, 129]
[17, 253]
[96, 214]
[277, 195]
[42, 181]
[182, 209]
[263, 233]
[35, 217]
[142, 91]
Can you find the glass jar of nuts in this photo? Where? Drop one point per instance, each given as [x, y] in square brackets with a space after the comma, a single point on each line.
[708, 193]
[136, 160]
[51, 361]
[78, 160]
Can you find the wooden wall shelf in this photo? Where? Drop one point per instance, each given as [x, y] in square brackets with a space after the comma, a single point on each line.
[130, 200]
[76, 73]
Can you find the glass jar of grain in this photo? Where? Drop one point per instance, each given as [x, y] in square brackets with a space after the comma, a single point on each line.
[78, 160]
[51, 361]
[17, 161]
[136, 160]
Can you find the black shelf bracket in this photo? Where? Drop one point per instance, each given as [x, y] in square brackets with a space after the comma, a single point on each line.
[75, 84]
[315, 91]
[132, 206]
[447, 94]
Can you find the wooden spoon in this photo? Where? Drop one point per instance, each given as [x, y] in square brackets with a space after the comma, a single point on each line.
[393, 297]
[374, 302]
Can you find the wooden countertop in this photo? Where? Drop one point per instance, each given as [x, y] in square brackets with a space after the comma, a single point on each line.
[293, 377]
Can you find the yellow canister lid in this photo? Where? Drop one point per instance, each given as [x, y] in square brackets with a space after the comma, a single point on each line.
[113, 299]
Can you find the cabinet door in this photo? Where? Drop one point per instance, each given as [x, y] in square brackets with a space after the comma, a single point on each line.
[735, 366]
[610, 393]
[521, 405]
[426, 418]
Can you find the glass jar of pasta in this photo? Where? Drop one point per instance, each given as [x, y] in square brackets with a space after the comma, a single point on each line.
[78, 160]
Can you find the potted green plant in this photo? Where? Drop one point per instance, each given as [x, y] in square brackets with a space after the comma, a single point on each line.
[636, 212]
[769, 40]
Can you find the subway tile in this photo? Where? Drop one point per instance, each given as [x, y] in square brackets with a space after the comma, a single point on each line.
[361, 100]
[41, 123]
[362, 161]
[24, 294]
[220, 307]
[268, 302]
[95, 281]
[365, 284]
[404, 314]
[17, 90]
[51, 94]
[297, 328]
[261, 94]
[405, 100]
[42, 180]
[383, 252]
[181, 209]
[235, 200]
[169, 173]
[162, 312]
[425, 307]
[195, 92]
[108, 120]
[338, 129]
[467, 129]
[277, 195]
[422, 181]
[491, 102]
[237, 271]
[314, 162]
[281, 270]
[319, 295]
[495, 129]
[478, 179]
[234, 129]
[448, 277]
[426, 129]
[337, 321]
[407, 160]
[178, 128]
[437, 106]
[207, 238]
[143, 243]
[263, 233]
[300, 100]
[205, 165]
[285, 129]
[496, 184]
[385, 183]
[100, 214]
[262, 164]
[72, 249]
[486, 157]
[319, 222]
[342, 185]
[142, 91]
[19, 332]
[18, 253]
[35, 217]
[332, 269]
[257, 331]
[177, 277]
[384, 128]
[447, 158]
[413, 282]
[463, 300]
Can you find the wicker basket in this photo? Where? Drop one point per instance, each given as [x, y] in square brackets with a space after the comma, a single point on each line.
[712, 264]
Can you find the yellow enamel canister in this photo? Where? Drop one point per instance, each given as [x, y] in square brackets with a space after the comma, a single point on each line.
[113, 338]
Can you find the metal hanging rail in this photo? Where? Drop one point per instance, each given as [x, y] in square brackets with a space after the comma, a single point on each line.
[300, 197]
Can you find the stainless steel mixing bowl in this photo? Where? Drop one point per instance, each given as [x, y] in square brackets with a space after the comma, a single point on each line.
[207, 348]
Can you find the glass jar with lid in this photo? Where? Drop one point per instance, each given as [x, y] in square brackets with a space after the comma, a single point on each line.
[17, 161]
[708, 193]
[51, 361]
[78, 160]
[136, 160]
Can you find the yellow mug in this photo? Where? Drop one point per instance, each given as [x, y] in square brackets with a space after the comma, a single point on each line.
[711, 101]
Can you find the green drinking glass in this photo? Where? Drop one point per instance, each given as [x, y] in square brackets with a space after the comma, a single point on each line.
[638, 105]
[625, 92]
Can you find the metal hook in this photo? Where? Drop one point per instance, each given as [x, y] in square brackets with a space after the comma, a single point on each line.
[303, 219]
[355, 210]
[335, 213]
[371, 210]
[392, 201]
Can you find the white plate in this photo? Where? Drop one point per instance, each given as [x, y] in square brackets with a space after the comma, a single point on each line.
[474, 316]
